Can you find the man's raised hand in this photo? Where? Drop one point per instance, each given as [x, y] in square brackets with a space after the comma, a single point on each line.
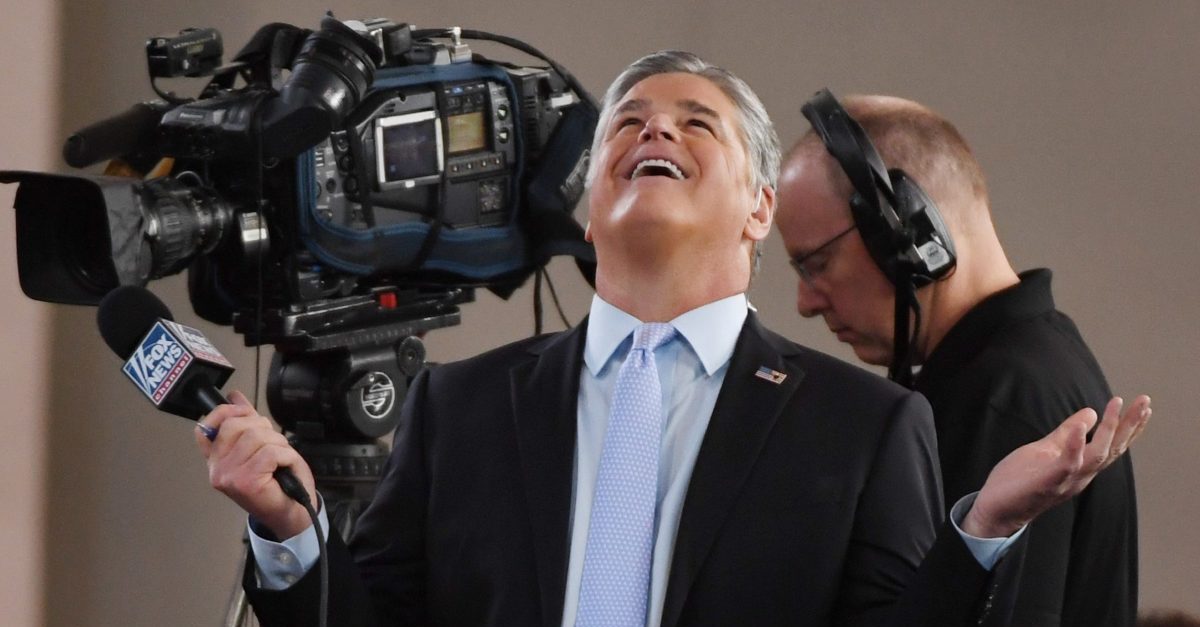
[1045, 473]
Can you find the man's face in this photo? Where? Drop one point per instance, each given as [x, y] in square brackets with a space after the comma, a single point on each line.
[672, 173]
[845, 287]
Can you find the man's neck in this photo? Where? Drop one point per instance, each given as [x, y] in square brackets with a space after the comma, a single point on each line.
[660, 292]
[952, 299]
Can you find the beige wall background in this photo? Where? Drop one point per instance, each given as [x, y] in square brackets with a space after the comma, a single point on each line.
[1083, 115]
[26, 128]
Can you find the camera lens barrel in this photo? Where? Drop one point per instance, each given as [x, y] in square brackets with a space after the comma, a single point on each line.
[181, 222]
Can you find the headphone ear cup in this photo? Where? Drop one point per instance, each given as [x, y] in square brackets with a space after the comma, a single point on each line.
[927, 232]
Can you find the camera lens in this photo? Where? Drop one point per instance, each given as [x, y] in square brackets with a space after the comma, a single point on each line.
[183, 222]
[86, 249]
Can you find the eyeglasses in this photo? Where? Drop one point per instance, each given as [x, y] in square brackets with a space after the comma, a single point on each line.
[809, 268]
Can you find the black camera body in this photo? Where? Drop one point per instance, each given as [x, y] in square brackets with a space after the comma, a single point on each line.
[336, 193]
[389, 160]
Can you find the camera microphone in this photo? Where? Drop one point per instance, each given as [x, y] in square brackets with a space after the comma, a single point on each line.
[173, 365]
[127, 133]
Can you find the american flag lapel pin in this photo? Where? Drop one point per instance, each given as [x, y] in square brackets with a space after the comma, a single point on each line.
[774, 376]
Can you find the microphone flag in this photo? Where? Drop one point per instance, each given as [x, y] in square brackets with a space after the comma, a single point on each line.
[170, 359]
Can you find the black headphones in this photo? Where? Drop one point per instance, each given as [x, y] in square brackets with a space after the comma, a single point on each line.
[897, 220]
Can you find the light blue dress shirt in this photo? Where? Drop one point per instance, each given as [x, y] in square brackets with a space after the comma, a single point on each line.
[691, 368]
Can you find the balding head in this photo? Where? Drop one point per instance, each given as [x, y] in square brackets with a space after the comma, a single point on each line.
[840, 280]
[925, 145]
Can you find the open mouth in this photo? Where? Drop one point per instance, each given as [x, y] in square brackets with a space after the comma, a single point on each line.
[657, 167]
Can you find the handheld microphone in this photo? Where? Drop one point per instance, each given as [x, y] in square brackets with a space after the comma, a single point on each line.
[173, 365]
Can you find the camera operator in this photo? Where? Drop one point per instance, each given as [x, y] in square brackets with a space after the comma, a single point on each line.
[1000, 365]
[705, 472]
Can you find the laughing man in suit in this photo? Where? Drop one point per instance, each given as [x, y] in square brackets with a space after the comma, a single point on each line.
[782, 487]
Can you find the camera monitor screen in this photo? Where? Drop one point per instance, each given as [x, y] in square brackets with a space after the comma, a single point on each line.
[408, 146]
[466, 132]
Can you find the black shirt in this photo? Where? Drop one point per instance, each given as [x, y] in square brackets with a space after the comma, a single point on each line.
[1009, 372]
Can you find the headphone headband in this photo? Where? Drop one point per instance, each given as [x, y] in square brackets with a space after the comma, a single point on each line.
[848, 144]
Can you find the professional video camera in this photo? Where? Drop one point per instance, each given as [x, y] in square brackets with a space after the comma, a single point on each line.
[343, 197]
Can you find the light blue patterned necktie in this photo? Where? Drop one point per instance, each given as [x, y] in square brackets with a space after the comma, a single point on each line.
[620, 540]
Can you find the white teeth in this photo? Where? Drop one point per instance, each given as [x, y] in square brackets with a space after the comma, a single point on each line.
[657, 163]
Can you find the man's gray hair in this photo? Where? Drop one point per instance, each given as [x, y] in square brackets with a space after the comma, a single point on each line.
[758, 134]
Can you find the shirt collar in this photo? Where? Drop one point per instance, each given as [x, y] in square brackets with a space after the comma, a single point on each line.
[711, 330]
[1029, 298]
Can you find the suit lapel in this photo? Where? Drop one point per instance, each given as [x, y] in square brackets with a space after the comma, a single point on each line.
[745, 412]
[545, 392]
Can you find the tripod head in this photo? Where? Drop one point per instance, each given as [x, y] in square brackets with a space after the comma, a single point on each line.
[338, 380]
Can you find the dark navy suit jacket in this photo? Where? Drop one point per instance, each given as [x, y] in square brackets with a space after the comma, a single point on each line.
[813, 502]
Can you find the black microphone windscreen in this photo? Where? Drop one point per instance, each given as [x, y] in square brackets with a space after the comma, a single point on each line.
[173, 365]
[124, 316]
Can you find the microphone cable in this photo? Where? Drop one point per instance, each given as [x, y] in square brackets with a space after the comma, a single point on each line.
[294, 489]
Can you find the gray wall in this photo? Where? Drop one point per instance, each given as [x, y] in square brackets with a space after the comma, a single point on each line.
[1081, 113]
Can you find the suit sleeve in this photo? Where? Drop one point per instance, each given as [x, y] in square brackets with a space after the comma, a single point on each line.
[905, 566]
[380, 578]
[299, 605]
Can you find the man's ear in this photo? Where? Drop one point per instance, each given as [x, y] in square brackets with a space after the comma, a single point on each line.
[758, 221]
[587, 233]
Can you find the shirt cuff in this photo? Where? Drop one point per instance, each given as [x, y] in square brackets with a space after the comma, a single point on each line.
[281, 564]
[987, 551]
